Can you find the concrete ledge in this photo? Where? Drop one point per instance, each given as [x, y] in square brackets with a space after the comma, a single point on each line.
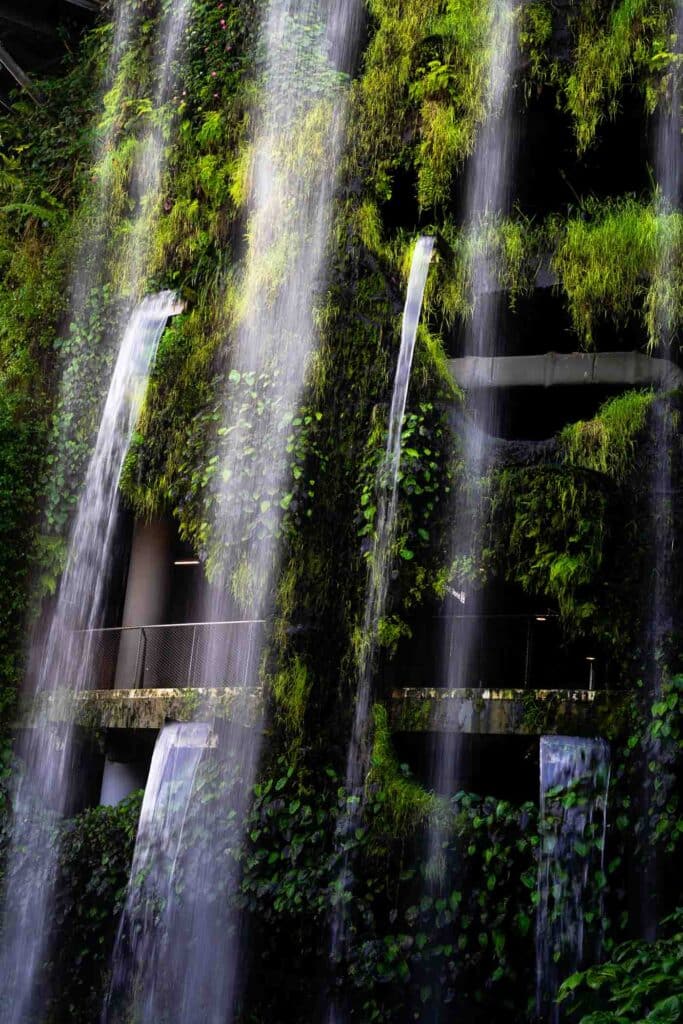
[150, 709]
[507, 712]
[554, 369]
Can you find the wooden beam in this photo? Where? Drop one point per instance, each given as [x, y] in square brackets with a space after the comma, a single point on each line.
[18, 75]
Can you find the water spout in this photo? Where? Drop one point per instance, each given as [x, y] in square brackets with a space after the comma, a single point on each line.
[379, 568]
[380, 559]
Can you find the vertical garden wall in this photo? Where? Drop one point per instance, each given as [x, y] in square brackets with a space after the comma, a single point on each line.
[571, 516]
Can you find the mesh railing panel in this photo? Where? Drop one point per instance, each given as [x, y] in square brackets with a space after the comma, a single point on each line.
[204, 654]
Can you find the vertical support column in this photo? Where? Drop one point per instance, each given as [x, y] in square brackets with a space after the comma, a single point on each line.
[120, 779]
[147, 590]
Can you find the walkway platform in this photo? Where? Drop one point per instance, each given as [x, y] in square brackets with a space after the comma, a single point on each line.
[152, 708]
[412, 709]
[508, 712]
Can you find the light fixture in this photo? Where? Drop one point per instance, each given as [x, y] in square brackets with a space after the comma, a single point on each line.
[186, 561]
[541, 618]
[591, 661]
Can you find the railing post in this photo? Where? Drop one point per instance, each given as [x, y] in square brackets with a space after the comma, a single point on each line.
[527, 656]
[191, 665]
[140, 661]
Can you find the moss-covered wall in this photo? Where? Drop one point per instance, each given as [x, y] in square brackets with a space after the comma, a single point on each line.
[417, 102]
[575, 533]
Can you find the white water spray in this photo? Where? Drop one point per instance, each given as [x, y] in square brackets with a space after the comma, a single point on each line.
[66, 665]
[574, 783]
[307, 47]
[138, 962]
[379, 569]
[660, 613]
[488, 189]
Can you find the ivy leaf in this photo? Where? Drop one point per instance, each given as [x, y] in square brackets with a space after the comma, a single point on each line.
[667, 1011]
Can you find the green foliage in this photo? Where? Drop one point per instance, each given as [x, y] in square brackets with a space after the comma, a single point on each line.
[451, 87]
[22, 436]
[535, 40]
[466, 945]
[291, 688]
[612, 46]
[404, 804]
[611, 260]
[558, 528]
[554, 530]
[97, 850]
[423, 479]
[426, 65]
[608, 443]
[642, 982]
[256, 418]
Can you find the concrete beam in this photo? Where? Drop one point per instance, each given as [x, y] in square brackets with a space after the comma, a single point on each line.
[19, 76]
[576, 369]
[507, 712]
[152, 708]
[120, 779]
[503, 712]
[19, 19]
[86, 5]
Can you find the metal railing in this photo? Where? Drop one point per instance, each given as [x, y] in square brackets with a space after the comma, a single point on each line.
[525, 650]
[176, 655]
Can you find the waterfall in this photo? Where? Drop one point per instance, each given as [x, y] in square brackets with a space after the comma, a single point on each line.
[379, 564]
[669, 179]
[150, 157]
[574, 782]
[660, 612]
[380, 560]
[307, 49]
[487, 198]
[65, 663]
[65, 666]
[158, 845]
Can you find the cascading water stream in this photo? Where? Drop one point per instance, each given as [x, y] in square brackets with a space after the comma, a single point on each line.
[150, 158]
[379, 568]
[574, 783]
[660, 613]
[669, 179]
[65, 662]
[307, 48]
[66, 666]
[379, 565]
[158, 845]
[487, 198]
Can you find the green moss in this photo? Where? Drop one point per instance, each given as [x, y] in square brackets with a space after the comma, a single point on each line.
[451, 88]
[406, 803]
[630, 39]
[291, 688]
[535, 40]
[607, 443]
[426, 65]
[611, 261]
